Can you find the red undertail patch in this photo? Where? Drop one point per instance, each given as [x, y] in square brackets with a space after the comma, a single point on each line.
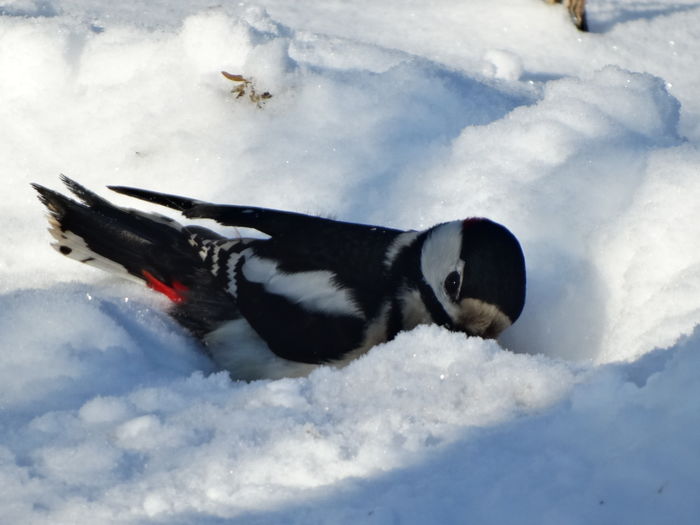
[176, 292]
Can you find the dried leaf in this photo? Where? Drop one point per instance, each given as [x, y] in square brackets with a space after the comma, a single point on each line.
[235, 78]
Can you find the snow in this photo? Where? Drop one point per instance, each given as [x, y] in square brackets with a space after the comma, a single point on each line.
[400, 113]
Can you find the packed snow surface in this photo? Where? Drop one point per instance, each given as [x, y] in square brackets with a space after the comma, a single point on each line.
[400, 113]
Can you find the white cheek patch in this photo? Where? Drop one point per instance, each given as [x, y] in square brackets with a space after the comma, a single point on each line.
[316, 290]
[441, 256]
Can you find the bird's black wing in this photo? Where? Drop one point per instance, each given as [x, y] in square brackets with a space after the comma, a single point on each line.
[271, 222]
[353, 253]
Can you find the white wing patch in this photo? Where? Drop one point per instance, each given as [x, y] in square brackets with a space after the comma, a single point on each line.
[315, 290]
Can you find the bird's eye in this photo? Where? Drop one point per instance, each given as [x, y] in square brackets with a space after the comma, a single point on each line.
[452, 282]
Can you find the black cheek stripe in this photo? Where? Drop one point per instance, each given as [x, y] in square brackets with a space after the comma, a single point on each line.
[435, 309]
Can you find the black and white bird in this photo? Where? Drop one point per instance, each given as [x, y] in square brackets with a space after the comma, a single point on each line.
[317, 291]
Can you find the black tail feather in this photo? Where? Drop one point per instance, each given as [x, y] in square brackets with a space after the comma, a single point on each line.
[151, 248]
[96, 232]
[271, 222]
[85, 195]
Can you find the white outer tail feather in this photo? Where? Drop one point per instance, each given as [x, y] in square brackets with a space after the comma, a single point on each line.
[79, 251]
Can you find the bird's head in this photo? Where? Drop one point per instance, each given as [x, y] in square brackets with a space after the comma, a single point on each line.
[473, 276]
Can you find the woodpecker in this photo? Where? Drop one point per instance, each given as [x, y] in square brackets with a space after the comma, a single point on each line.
[316, 291]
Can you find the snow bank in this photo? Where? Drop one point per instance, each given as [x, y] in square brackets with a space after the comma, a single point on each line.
[622, 448]
[64, 344]
[237, 448]
[586, 146]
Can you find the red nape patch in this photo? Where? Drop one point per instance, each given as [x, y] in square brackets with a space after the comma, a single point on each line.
[175, 292]
[471, 221]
